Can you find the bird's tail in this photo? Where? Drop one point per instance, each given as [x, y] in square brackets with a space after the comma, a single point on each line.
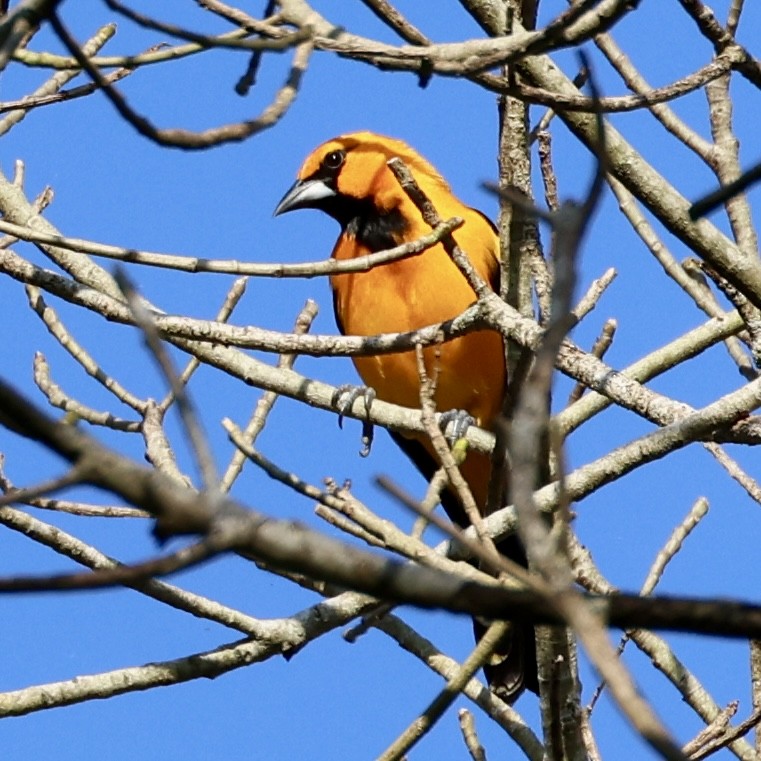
[512, 667]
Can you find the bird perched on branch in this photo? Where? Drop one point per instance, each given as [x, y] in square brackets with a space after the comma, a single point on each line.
[348, 178]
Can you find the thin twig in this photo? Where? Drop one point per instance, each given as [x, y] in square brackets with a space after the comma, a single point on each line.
[198, 441]
[267, 400]
[194, 264]
[233, 297]
[468, 729]
[187, 139]
[435, 710]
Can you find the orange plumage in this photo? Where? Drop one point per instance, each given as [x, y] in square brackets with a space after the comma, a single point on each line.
[348, 178]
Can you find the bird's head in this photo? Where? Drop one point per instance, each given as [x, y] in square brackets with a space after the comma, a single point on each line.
[350, 172]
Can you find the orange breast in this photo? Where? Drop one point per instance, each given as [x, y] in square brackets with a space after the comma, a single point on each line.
[411, 294]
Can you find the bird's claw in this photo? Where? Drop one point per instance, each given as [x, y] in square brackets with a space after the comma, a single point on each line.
[344, 398]
[460, 421]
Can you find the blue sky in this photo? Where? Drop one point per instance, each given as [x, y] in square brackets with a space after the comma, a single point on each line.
[334, 700]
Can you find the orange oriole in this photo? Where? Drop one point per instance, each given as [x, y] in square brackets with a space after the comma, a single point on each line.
[348, 178]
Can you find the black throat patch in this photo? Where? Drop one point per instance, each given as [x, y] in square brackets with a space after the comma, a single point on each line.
[373, 230]
[359, 218]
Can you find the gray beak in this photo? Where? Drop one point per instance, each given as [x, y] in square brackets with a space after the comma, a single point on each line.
[304, 194]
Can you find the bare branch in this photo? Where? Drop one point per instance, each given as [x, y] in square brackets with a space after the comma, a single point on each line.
[180, 138]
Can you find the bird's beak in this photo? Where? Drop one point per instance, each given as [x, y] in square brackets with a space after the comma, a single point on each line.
[304, 194]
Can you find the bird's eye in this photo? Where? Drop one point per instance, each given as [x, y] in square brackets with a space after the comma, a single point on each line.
[334, 160]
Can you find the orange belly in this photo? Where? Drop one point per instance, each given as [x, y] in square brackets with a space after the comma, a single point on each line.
[410, 294]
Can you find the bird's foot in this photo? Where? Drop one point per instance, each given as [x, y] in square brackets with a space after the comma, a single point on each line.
[460, 421]
[344, 398]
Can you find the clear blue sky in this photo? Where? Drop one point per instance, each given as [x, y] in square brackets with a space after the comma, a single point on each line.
[333, 700]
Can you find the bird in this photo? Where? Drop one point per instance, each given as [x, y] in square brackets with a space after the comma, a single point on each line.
[349, 179]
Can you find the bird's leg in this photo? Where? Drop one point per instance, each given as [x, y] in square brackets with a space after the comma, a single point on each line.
[461, 420]
[344, 398]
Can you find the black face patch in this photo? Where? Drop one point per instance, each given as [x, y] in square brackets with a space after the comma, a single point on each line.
[376, 231]
[358, 217]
